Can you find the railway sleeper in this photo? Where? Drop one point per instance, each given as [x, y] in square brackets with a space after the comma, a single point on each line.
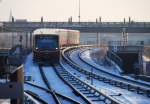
[82, 84]
[95, 76]
[148, 93]
[74, 67]
[80, 70]
[93, 94]
[65, 77]
[79, 83]
[108, 101]
[70, 78]
[112, 82]
[99, 98]
[106, 80]
[101, 79]
[140, 91]
[58, 67]
[91, 91]
[86, 88]
[62, 71]
[74, 83]
[117, 84]
[122, 85]
[86, 92]
[86, 73]
[82, 90]
[131, 88]
[80, 87]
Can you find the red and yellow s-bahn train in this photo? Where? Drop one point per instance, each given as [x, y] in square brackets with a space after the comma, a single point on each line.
[47, 43]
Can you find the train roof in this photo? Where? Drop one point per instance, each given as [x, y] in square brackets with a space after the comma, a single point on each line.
[52, 31]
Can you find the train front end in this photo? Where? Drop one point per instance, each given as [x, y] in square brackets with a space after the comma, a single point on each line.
[46, 48]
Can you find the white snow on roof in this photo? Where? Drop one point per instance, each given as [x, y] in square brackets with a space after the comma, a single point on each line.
[52, 31]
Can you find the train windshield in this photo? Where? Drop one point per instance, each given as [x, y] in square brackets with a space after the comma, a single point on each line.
[47, 42]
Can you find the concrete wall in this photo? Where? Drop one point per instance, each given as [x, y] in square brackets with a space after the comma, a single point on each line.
[87, 38]
[130, 62]
[8, 40]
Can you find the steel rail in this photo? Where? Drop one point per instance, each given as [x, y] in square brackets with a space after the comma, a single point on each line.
[58, 94]
[132, 81]
[28, 99]
[138, 86]
[48, 85]
[88, 92]
[115, 82]
[35, 96]
[50, 92]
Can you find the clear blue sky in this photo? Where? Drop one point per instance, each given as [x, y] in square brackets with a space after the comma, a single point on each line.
[61, 10]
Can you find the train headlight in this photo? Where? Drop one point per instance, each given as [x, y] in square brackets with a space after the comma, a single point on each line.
[56, 48]
[36, 48]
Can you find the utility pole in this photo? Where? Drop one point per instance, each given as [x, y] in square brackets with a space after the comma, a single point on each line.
[79, 11]
[124, 20]
[42, 19]
[91, 77]
[100, 19]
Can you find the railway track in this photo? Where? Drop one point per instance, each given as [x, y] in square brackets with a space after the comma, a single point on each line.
[89, 93]
[50, 92]
[48, 85]
[55, 95]
[35, 96]
[121, 82]
[29, 99]
[113, 75]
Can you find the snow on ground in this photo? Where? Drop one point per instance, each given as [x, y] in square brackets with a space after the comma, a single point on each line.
[127, 96]
[58, 85]
[42, 94]
[112, 69]
[109, 68]
[74, 57]
[31, 69]
[29, 97]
